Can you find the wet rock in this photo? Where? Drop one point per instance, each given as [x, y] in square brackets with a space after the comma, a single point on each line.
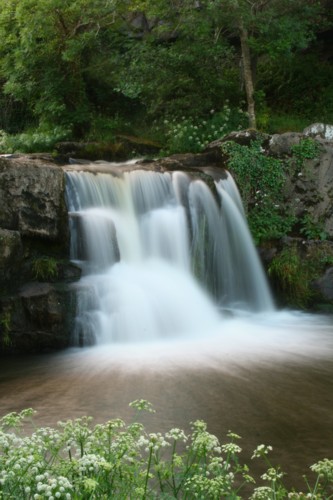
[42, 304]
[39, 318]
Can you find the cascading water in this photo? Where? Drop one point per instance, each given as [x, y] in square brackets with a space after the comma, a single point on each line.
[160, 257]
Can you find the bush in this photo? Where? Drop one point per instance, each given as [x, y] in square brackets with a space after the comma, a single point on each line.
[260, 179]
[191, 135]
[33, 141]
[296, 267]
[292, 277]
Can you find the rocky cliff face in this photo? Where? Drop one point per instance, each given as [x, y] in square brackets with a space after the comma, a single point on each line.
[311, 183]
[32, 201]
[37, 306]
[33, 248]
[300, 265]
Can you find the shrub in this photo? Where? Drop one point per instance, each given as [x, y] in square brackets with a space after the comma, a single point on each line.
[291, 276]
[114, 460]
[260, 179]
[31, 141]
[191, 135]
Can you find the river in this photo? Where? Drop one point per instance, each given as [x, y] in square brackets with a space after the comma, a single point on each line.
[268, 378]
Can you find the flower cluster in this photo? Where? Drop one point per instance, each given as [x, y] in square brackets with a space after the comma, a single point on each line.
[194, 134]
[261, 450]
[324, 468]
[113, 460]
[142, 405]
[262, 493]
[51, 487]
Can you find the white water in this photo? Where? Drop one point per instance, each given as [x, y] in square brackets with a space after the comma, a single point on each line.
[160, 256]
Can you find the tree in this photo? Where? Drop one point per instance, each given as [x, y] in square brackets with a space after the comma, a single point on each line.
[270, 28]
[197, 32]
[51, 49]
[176, 65]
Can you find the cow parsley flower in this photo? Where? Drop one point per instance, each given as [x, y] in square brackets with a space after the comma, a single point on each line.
[261, 450]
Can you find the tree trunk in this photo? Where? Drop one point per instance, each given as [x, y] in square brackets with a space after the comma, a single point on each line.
[248, 76]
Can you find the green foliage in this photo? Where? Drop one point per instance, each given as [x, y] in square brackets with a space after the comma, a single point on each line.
[311, 229]
[90, 68]
[300, 164]
[295, 268]
[307, 149]
[291, 276]
[188, 74]
[278, 123]
[260, 179]
[45, 269]
[105, 129]
[192, 135]
[50, 49]
[33, 141]
[113, 460]
[301, 86]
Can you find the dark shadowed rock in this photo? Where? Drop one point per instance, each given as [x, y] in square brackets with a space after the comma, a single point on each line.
[42, 304]
[10, 254]
[325, 284]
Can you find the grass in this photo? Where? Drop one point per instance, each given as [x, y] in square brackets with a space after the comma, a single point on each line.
[280, 123]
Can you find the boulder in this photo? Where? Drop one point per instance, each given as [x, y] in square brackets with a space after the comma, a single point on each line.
[42, 305]
[32, 198]
[39, 318]
[242, 137]
[281, 144]
[322, 130]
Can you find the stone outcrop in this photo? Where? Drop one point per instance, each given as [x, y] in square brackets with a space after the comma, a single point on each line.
[32, 197]
[33, 246]
[309, 186]
[322, 130]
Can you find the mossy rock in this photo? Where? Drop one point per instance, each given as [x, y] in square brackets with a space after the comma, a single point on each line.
[122, 148]
[301, 273]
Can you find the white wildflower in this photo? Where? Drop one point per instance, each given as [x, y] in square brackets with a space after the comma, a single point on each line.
[261, 450]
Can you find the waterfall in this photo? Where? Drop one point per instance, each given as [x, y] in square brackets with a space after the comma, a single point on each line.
[161, 255]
